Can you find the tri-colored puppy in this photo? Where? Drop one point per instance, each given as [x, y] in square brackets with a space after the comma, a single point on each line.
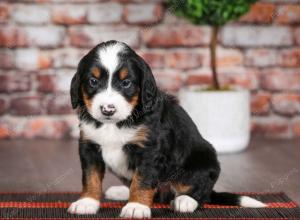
[142, 135]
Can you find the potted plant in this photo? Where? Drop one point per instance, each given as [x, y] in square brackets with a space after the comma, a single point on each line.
[221, 113]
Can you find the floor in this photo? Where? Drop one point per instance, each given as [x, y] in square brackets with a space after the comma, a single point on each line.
[44, 165]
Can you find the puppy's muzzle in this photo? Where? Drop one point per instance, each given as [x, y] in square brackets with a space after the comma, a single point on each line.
[108, 110]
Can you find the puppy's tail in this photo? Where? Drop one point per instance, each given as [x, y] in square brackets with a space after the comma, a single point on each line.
[224, 198]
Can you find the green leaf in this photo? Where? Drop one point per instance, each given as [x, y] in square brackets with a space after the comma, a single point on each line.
[211, 12]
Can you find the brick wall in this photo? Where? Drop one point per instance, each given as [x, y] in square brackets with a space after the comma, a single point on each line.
[42, 41]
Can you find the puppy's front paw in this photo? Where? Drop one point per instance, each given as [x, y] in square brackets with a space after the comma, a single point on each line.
[184, 203]
[135, 210]
[84, 206]
[117, 193]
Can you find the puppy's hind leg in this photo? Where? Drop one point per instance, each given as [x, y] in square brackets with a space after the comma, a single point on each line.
[192, 192]
[183, 202]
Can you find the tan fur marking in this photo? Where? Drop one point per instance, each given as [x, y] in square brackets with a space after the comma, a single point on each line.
[134, 100]
[93, 186]
[140, 194]
[81, 135]
[86, 100]
[181, 188]
[141, 136]
[96, 72]
[123, 73]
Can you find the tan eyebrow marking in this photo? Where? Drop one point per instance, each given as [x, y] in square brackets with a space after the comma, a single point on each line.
[96, 72]
[86, 99]
[123, 73]
[134, 100]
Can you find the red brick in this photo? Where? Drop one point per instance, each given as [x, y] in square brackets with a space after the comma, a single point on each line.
[66, 57]
[198, 79]
[273, 127]
[73, 122]
[44, 61]
[183, 59]
[254, 36]
[296, 127]
[297, 35]
[105, 13]
[31, 14]
[288, 14]
[46, 37]
[4, 12]
[46, 83]
[9, 127]
[26, 59]
[10, 83]
[235, 78]
[59, 104]
[228, 58]
[63, 79]
[156, 59]
[143, 13]
[239, 78]
[3, 106]
[59, 82]
[45, 128]
[286, 103]
[176, 36]
[261, 57]
[280, 79]
[12, 37]
[260, 13]
[260, 103]
[31, 59]
[69, 14]
[170, 19]
[39, 1]
[6, 59]
[290, 57]
[31, 105]
[282, 1]
[35, 127]
[89, 36]
[168, 80]
[4, 132]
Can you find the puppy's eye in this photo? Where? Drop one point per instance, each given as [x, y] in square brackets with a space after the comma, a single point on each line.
[93, 82]
[126, 83]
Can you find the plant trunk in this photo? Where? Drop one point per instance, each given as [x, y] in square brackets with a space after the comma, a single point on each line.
[213, 56]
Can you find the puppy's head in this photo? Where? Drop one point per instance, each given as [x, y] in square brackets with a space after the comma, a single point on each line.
[111, 81]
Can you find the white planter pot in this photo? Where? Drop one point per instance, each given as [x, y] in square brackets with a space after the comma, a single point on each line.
[222, 117]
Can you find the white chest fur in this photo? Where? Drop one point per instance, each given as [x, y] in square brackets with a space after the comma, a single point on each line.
[112, 139]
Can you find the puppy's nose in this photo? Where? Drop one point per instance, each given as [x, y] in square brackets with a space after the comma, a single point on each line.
[108, 110]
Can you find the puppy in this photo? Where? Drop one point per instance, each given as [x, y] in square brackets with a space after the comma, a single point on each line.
[142, 135]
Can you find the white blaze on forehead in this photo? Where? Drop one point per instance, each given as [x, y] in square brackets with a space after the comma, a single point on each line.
[109, 59]
[109, 56]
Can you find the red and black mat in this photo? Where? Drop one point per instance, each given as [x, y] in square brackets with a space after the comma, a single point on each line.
[54, 206]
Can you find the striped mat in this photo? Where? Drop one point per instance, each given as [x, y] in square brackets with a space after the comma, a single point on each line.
[54, 206]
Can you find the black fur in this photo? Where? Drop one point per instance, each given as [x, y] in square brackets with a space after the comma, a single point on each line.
[174, 152]
[90, 158]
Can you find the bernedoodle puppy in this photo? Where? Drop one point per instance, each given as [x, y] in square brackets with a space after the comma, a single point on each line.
[140, 134]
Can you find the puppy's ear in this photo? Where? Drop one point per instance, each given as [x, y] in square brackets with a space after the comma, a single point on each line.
[148, 86]
[74, 90]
